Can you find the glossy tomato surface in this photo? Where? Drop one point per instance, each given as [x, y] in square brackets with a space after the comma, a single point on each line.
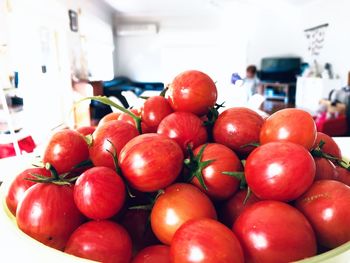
[185, 128]
[192, 91]
[19, 185]
[205, 240]
[103, 241]
[237, 127]
[326, 205]
[154, 110]
[293, 125]
[66, 149]
[280, 171]
[99, 193]
[272, 231]
[150, 162]
[179, 203]
[113, 116]
[330, 146]
[107, 137]
[153, 254]
[220, 186]
[86, 130]
[48, 214]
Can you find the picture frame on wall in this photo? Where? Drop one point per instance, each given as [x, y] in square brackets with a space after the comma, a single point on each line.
[73, 20]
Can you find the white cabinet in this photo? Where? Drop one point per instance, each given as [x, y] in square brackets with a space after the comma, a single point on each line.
[309, 91]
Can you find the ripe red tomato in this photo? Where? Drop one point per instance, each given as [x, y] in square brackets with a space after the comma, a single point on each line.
[185, 128]
[325, 169]
[117, 133]
[103, 241]
[272, 231]
[86, 130]
[150, 162]
[293, 125]
[234, 206]
[179, 203]
[326, 206]
[280, 171]
[19, 185]
[192, 91]
[153, 254]
[99, 193]
[205, 240]
[154, 110]
[66, 149]
[127, 118]
[342, 175]
[220, 186]
[113, 116]
[48, 214]
[236, 127]
[330, 146]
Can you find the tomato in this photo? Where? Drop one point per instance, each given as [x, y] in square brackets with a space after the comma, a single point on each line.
[185, 128]
[205, 240]
[192, 91]
[48, 214]
[127, 118]
[236, 127]
[154, 110]
[326, 205]
[150, 162]
[280, 171]
[19, 185]
[272, 231]
[220, 186]
[66, 149]
[330, 146]
[103, 241]
[86, 130]
[99, 193]
[234, 206]
[293, 125]
[113, 116]
[117, 133]
[325, 169]
[152, 254]
[179, 203]
[342, 175]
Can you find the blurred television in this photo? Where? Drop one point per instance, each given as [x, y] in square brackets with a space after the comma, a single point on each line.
[280, 69]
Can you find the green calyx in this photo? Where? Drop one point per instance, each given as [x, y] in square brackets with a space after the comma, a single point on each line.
[213, 114]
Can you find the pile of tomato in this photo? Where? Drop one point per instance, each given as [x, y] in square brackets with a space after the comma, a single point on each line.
[177, 181]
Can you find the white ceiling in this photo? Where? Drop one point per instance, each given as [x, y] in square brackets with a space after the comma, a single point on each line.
[188, 7]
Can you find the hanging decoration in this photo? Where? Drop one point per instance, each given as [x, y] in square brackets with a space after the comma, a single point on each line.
[316, 38]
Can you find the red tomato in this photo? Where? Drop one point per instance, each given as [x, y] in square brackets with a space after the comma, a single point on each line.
[48, 214]
[330, 146]
[127, 118]
[66, 149]
[103, 241]
[179, 203]
[117, 133]
[342, 175]
[272, 231]
[86, 130]
[236, 127]
[234, 206]
[19, 185]
[153, 254]
[220, 186]
[185, 128]
[293, 125]
[192, 91]
[113, 116]
[326, 205]
[280, 171]
[99, 193]
[205, 240]
[154, 110]
[150, 162]
[325, 169]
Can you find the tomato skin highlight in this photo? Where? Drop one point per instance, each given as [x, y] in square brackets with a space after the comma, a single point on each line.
[325, 205]
[103, 241]
[205, 240]
[150, 162]
[48, 214]
[280, 171]
[179, 203]
[272, 231]
[99, 193]
[293, 125]
[192, 91]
